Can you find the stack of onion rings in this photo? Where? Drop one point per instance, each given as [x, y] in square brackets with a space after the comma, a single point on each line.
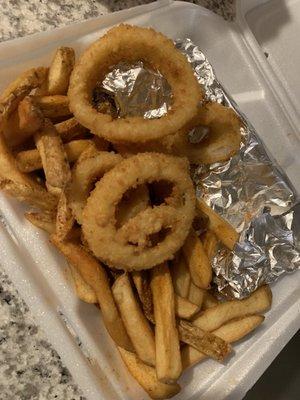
[99, 222]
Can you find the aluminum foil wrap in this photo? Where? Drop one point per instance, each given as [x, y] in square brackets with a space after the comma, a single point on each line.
[249, 190]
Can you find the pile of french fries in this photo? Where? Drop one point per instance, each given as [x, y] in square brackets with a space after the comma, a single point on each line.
[163, 321]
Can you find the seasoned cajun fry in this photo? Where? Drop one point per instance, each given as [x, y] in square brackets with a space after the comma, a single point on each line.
[53, 106]
[21, 87]
[230, 332]
[64, 218]
[196, 295]
[197, 261]
[168, 361]
[45, 221]
[83, 290]
[180, 276]
[184, 308]
[209, 301]
[54, 158]
[142, 286]
[258, 302]
[60, 70]
[221, 228]
[136, 324]
[146, 377]
[69, 129]
[30, 160]
[210, 242]
[205, 342]
[94, 275]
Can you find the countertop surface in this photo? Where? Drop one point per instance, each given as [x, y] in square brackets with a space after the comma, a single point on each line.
[29, 367]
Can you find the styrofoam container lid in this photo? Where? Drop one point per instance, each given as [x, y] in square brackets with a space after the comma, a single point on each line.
[74, 328]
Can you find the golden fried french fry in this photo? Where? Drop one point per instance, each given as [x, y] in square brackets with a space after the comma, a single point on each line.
[30, 160]
[196, 295]
[83, 290]
[69, 129]
[95, 276]
[142, 285]
[209, 301]
[146, 377]
[53, 106]
[210, 242]
[221, 228]
[20, 88]
[168, 361]
[22, 123]
[30, 117]
[45, 221]
[214, 317]
[205, 342]
[230, 332]
[197, 261]
[54, 158]
[136, 324]
[39, 198]
[60, 70]
[180, 276]
[64, 218]
[184, 308]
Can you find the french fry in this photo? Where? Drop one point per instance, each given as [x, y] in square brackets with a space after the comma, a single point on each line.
[21, 87]
[83, 290]
[21, 185]
[69, 129]
[258, 302]
[136, 324]
[146, 377]
[64, 218]
[184, 308]
[30, 160]
[180, 276]
[54, 158]
[205, 342]
[230, 332]
[53, 106]
[209, 301]
[44, 221]
[168, 361]
[30, 117]
[144, 291]
[196, 295]
[95, 276]
[210, 242]
[197, 261]
[60, 70]
[221, 228]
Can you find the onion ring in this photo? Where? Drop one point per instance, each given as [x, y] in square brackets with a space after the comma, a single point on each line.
[99, 219]
[131, 43]
[85, 172]
[221, 143]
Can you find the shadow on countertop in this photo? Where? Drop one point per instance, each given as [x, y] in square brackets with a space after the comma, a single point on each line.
[281, 381]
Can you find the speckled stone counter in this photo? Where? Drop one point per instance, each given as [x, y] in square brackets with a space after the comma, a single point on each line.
[30, 369]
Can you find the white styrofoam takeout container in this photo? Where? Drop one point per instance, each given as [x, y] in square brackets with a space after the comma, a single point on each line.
[267, 91]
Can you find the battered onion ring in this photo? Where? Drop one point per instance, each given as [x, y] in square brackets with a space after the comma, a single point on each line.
[221, 143]
[99, 221]
[131, 44]
[86, 172]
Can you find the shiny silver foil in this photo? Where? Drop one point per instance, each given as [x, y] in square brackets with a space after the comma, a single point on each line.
[249, 190]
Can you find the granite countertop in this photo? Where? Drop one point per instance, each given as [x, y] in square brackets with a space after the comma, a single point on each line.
[29, 367]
